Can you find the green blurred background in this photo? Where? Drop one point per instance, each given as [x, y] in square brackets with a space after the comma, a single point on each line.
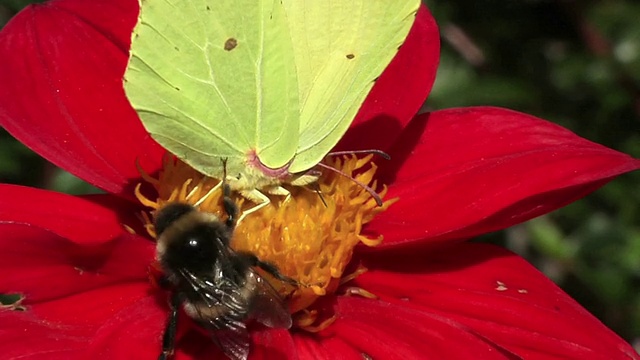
[576, 63]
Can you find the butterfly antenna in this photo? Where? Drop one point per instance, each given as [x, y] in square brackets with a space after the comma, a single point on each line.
[316, 188]
[380, 153]
[225, 188]
[373, 194]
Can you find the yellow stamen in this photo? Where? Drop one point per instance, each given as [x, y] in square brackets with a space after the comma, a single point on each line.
[359, 271]
[317, 328]
[353, 291]
[307, 241]
[129, 229]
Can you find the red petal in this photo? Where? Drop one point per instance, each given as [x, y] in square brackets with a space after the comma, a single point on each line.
[92, 307]
[495, 294]
[27, 338]
[62, 92]
[44, 267]
[79, 220]
[132, 333]
[131, 330]
[463, 172]
[400, 91]
[136, 332]
[391, 331]
[328, 348]
[75, 290]
[270, 344]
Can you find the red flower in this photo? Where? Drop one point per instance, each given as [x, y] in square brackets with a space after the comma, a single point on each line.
[458, 173]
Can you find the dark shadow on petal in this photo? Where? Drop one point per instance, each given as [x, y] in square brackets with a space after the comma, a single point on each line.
[403, 86]
[400, 151]
[366, 135]
[431, 258]
[127, 212]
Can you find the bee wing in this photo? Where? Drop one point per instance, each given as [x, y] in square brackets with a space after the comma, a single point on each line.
[226, 327]
[231, 336]
[267, 306]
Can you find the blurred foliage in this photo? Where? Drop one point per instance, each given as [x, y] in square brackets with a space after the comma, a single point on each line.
[576, 63]
[10, 7]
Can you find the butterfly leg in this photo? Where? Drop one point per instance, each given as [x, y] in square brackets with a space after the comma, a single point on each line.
[305, 179]
[279, 191]
[202, 199]
[257, 197]
[309, 180]
[169, 337]
[253, 260]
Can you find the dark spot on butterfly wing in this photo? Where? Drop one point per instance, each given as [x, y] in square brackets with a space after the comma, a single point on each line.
[230, 44]
[350, 56]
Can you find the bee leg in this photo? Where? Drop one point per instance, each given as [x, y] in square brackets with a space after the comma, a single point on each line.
[160, 281]
[169, 337]
[253, 260]
[229, 205]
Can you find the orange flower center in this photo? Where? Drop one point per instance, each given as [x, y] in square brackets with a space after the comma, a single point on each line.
[308, 240]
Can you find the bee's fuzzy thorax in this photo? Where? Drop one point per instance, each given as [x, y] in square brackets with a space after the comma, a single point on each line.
[177, 220]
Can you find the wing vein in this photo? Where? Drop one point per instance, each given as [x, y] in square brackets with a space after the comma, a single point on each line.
[259, 75]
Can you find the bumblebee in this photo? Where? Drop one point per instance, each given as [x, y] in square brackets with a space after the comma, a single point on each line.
[216, 286]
